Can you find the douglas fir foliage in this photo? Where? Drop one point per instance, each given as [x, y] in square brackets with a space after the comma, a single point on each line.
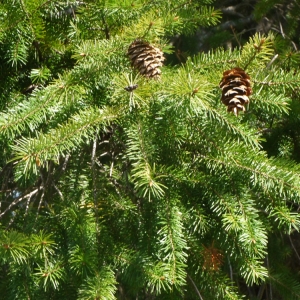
[114, 186]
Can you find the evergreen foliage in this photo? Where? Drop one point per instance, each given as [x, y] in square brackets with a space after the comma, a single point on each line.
[154, 192]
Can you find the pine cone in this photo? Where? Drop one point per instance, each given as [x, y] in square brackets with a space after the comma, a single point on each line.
[236, 87]
[146, 58]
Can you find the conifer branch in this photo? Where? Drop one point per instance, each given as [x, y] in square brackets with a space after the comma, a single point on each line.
[274, 176]
[258, 48]
[31, 113]
[58, 141]
[176, 172]
[19, 199]
[280, 282]
[272, 83]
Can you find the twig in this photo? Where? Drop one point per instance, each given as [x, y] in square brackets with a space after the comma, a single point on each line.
[59, 192]
[269, 83]
[261, 291]
[230, 269]
[93, 158]
[4, 189]
[43, 193]
[46, 186]
[235, 36]
[65, 162]
[293, 246]
[197, 291]
[106, 28]
[27, 206]
[268, 267]
[281, 30]
[40, 203]
[12, 219]
[16, 201]
[272, 60]
[294, 45]
[257, 49]
[181, 5]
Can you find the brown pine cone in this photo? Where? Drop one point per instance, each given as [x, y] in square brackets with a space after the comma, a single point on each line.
[236, 87]
[146, 58]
